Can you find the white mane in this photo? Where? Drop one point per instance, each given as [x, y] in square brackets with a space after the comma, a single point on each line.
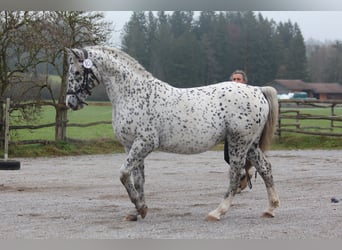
[111, 51]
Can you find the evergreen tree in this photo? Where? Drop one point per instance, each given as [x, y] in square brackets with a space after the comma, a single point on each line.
[187, 52]
[205, 33]
[298, 62]
[186, 70]
[262, 56]
[161, 53]
[293, 55]
[185, 56]
[151, 42]
[134, 41]
[267, 60]
[181, 22]
[333, 69]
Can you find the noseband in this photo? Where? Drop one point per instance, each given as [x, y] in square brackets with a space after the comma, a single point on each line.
[86, 85]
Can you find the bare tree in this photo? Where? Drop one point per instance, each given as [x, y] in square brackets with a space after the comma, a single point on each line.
[18, 51]
[32, 44]
[325, 61]
[69, 29]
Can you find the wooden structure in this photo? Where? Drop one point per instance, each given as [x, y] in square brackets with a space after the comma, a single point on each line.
[292, 113]
[320, 91]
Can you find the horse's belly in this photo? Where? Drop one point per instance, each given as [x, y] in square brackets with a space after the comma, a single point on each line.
[186, 142]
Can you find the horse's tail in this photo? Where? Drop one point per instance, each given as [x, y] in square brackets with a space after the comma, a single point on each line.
[267, 134]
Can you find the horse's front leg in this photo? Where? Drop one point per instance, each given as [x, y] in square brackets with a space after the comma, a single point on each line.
[138, 197]
[236, 164]
[133, 178]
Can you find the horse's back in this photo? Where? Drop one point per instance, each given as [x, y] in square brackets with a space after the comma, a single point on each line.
[193, 120]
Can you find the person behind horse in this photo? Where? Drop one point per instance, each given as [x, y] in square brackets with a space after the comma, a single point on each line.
[239, 76]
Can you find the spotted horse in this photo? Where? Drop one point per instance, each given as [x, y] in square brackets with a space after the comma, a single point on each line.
[149, 114]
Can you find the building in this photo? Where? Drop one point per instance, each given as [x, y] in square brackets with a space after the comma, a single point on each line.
[321, 91]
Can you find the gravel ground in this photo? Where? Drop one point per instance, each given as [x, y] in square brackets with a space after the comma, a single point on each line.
[82, 197]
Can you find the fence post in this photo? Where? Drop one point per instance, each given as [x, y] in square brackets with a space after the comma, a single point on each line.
[8, 164]
[7, 106]
[279, 121]
[332, 115]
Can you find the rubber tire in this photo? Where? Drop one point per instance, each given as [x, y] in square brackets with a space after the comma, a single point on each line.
[9, 165]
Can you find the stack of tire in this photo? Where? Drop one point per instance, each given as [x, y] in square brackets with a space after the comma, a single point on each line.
[9, 165]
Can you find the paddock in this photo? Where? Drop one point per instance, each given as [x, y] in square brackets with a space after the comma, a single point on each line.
[82, 197]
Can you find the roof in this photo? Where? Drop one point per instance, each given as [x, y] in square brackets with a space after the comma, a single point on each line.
[291, 84]
[319, 88]
[325, 88]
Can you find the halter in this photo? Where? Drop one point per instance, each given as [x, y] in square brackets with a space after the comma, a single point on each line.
[86, 84]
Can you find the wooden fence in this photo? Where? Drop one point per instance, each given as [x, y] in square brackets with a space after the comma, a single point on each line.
[295, 114]
[292, 114]
[5, 125]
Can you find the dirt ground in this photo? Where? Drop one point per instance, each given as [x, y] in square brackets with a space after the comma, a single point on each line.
[82, 197]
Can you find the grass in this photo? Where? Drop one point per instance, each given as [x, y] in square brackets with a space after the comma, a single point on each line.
[92, 113]
[298, 141]
[100, 139]
[317, 124]
[291, 140]
[95, 139]
[98, 146]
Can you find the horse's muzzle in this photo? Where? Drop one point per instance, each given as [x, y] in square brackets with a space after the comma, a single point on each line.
[72, 101]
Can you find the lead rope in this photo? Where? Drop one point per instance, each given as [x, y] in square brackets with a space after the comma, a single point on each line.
[249, 182]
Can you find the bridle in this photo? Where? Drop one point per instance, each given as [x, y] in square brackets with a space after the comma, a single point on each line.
[86, 85]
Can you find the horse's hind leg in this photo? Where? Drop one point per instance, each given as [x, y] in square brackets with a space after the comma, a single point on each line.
[237, 161]
[264, 168]
[246, 175]
[244, 172]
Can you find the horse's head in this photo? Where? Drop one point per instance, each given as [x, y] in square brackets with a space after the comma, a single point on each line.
[82, 78]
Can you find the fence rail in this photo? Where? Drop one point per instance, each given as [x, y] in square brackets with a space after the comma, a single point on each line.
[5, 124]
[293, 114]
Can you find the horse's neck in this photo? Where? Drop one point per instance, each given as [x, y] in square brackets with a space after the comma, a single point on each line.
[122, 75]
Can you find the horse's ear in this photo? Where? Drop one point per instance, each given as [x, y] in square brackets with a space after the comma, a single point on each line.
[73, 52]
[67, 52]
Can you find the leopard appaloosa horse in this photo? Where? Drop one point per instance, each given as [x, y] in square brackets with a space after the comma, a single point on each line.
[149, 114]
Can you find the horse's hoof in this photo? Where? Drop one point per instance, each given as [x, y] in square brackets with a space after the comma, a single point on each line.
[143, 211]
[131, 217]
[267, 215]
[212, 218]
